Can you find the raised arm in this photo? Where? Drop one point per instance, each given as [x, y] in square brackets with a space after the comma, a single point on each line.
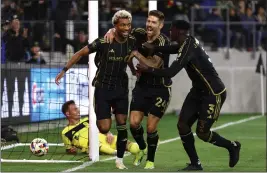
[95, 45]
[74, 59]
[185, 54]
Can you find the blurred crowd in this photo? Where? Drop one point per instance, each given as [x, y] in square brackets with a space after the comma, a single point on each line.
[246, 19]
[32, 26]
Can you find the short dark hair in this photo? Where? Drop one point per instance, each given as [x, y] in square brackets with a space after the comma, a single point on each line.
[157, 14]
[65, 106]
[181, 24]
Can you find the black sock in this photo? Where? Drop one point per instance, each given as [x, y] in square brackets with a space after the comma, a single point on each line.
[219, 141]
[121, 140]
[138, 135]
[189, 146]
[152, 143]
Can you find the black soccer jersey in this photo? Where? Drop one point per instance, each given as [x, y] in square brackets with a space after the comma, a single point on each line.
[147, 78]
[197, 64]
[111, 62]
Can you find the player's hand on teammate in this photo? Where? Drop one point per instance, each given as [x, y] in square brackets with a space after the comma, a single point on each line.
[110, 138]
[109, 36]
[59, 76]
[149, 48]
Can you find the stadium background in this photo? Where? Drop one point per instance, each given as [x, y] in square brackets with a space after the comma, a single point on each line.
[51, 31]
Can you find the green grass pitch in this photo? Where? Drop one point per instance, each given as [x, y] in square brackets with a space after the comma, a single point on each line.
[170, 156]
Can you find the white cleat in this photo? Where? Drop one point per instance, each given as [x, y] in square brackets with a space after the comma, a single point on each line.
[120, 165]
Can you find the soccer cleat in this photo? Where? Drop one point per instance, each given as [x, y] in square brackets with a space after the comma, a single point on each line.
[120, 165]
[192, 167]
[149, 165]
[139, 157]
[234, 153]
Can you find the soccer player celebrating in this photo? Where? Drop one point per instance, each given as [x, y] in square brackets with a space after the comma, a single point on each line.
[111, 80]
[205, 99]
[75, 134]
[152, 93]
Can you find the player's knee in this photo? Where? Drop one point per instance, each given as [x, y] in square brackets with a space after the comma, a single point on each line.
[137, 130]
[183, 128]
[135, 119]
[104, 125]
[203, 135]
[152, 123]
[134, 124]
[103, 128]
[121, 118]
[151, 128]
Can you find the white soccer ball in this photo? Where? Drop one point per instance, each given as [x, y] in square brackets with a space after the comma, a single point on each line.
[39, 147]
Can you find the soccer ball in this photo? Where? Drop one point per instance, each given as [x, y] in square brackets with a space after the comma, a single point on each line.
[39, 147]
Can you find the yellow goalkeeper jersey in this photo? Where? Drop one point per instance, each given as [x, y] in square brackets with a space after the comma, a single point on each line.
[77, 135]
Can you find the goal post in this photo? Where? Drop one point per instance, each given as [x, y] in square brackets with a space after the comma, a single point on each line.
[93, 34]
[93, 24]
[152, 5]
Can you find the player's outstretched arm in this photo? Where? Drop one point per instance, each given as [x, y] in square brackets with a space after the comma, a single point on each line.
[74, 59]
[151, 61]
[167, 49]
[185, 54]
[168, 72]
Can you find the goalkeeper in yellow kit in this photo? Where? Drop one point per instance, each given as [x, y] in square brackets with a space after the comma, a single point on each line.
[75, 134]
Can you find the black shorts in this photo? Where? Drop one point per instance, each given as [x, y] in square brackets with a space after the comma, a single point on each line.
[150, 100]
[202, 106]
[105, 99]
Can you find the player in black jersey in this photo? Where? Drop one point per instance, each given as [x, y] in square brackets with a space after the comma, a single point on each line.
[111, 79]
[151, 95]
[205, 99]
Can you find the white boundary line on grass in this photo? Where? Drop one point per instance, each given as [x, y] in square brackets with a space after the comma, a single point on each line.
[26, 144]
[38, 161]
[89, 163]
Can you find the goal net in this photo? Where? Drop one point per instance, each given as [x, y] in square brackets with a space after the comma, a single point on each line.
[30, 99]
